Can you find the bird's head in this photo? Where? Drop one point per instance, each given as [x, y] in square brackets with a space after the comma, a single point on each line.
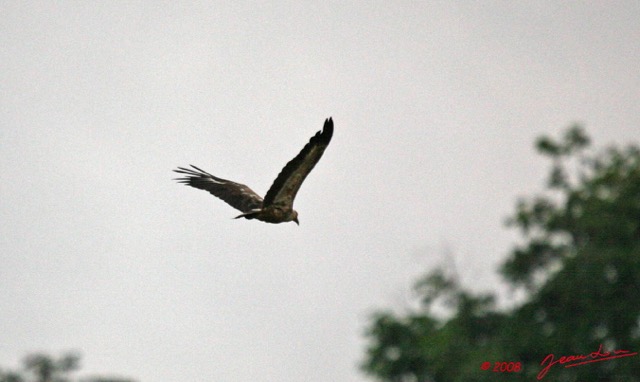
[294, 217]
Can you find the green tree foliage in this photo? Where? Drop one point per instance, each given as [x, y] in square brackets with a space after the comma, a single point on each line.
[46, 369]
[579, 264]
[9, 376]
[41, 367]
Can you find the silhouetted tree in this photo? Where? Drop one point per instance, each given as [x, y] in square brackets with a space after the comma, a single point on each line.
[47, 369]
[44, 368]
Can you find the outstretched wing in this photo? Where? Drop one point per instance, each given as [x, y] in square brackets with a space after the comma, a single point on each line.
[236, 195]
[284, 189]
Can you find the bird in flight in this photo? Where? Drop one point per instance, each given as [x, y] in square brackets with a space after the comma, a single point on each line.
[277, 205]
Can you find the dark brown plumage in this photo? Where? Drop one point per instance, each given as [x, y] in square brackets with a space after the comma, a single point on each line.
[277, 206]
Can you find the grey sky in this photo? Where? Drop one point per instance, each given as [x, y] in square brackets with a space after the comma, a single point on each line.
[436, 107]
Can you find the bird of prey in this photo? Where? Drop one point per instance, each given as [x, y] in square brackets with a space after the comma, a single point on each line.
[277, 205]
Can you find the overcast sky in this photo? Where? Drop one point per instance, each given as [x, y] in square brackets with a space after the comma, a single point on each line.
[436, 107]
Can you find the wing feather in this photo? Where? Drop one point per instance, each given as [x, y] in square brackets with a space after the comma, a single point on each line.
[235, 194]
[284, 189]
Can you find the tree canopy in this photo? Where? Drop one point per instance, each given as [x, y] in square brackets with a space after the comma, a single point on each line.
[579, 265]
[42, 367]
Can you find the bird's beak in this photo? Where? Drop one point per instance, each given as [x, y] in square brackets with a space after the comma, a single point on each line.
[296, 220]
